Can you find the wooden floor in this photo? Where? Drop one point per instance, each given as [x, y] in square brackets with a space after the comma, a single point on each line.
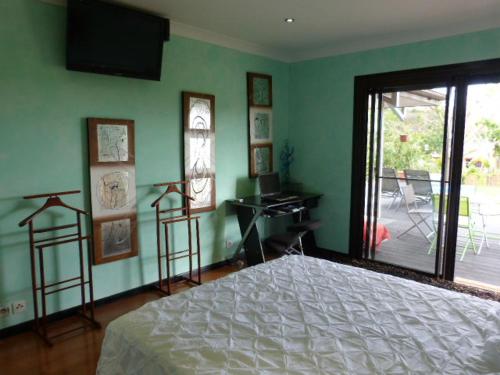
[411, 250]
[27, 354]
[76, 355]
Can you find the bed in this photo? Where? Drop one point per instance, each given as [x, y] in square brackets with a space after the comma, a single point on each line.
[302, 315]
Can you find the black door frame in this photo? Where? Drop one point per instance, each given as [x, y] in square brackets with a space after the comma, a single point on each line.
[459, 76]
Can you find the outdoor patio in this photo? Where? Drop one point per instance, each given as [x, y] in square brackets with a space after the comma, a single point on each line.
[411, 249]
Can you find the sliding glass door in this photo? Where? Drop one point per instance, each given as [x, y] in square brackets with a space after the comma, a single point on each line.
[426, 171]
[407, 176]
[477, 260]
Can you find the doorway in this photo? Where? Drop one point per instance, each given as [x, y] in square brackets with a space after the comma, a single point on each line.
[425, 164]
[479, 218]
[407, 160]
[409, 156]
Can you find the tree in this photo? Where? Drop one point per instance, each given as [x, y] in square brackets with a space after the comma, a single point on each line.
[491, 132]
[423, 150]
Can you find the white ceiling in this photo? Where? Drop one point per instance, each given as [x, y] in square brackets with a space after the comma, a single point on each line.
[322, 27]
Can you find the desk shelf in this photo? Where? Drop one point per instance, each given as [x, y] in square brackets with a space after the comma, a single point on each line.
[250, 209]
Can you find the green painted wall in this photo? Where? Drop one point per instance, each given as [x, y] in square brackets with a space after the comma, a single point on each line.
[43, 145]
[43, 137]
[321, 116]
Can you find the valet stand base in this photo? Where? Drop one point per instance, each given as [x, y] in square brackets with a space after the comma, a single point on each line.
[43, 334]
[165, 285]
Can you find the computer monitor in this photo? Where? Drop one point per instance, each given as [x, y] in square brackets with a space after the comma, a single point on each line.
[269, 184]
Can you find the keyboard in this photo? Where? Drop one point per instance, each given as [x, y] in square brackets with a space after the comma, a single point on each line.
[281, 197]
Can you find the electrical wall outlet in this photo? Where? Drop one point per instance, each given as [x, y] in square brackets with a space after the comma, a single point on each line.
[18, 307]
[4, 311]
[229, 244]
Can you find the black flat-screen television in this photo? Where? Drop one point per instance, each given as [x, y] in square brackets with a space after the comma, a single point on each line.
[109, 39]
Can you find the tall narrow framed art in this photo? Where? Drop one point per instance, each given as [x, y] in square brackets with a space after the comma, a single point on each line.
[260, 123]
[113, 189]
[199, 149]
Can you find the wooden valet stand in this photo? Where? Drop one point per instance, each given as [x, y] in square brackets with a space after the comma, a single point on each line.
[38, 245]
[185, 216]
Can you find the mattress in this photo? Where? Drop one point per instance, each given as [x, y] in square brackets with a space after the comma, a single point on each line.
[302, 315]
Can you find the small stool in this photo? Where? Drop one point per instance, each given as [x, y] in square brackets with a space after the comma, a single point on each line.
[287, 242]
[300, 230]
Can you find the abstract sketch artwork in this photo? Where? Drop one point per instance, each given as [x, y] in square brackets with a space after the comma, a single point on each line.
[260, 91]
[113, 190]
[199, 140]
[199, 154]
[199, 113]
[112, 141]
[116, 237]
[199, 149]
[260, 125]
[262, 158]
[261, 130]
[201, 190]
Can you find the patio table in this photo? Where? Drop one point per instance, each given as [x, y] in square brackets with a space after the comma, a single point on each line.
[486, 210]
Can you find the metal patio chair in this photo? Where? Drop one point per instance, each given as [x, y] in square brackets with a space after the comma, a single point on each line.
[390, 185]
[465, 221]
[418, 215]
[421, 181]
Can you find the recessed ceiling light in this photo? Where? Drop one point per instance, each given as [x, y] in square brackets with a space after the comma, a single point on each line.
[289, 20]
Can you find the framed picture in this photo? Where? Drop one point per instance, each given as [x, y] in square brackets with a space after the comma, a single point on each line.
[199, 149]
[260, 90]
[261, 160]
[261, 125]
[116, 238]
[111, 141]
[113, 189]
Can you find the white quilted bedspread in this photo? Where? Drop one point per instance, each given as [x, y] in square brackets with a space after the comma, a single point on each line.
[301, 315]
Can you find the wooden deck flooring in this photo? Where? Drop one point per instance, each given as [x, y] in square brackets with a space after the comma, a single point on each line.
[411, 249]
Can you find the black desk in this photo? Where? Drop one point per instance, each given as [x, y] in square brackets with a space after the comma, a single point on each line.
[250, 209]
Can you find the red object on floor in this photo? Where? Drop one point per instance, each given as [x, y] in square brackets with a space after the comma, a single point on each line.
[382, 234]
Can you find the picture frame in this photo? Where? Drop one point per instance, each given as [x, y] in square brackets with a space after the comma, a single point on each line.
[101, 154]
[261, 161]
[120, 233]
[260, 90]
[199, 150]
[261, 125]
[112, 189]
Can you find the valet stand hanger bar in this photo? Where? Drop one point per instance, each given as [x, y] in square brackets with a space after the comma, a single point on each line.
[48, 195]
[173, 183]
[161, 219]
[52, 201]
[172, 188]
[41, 287]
